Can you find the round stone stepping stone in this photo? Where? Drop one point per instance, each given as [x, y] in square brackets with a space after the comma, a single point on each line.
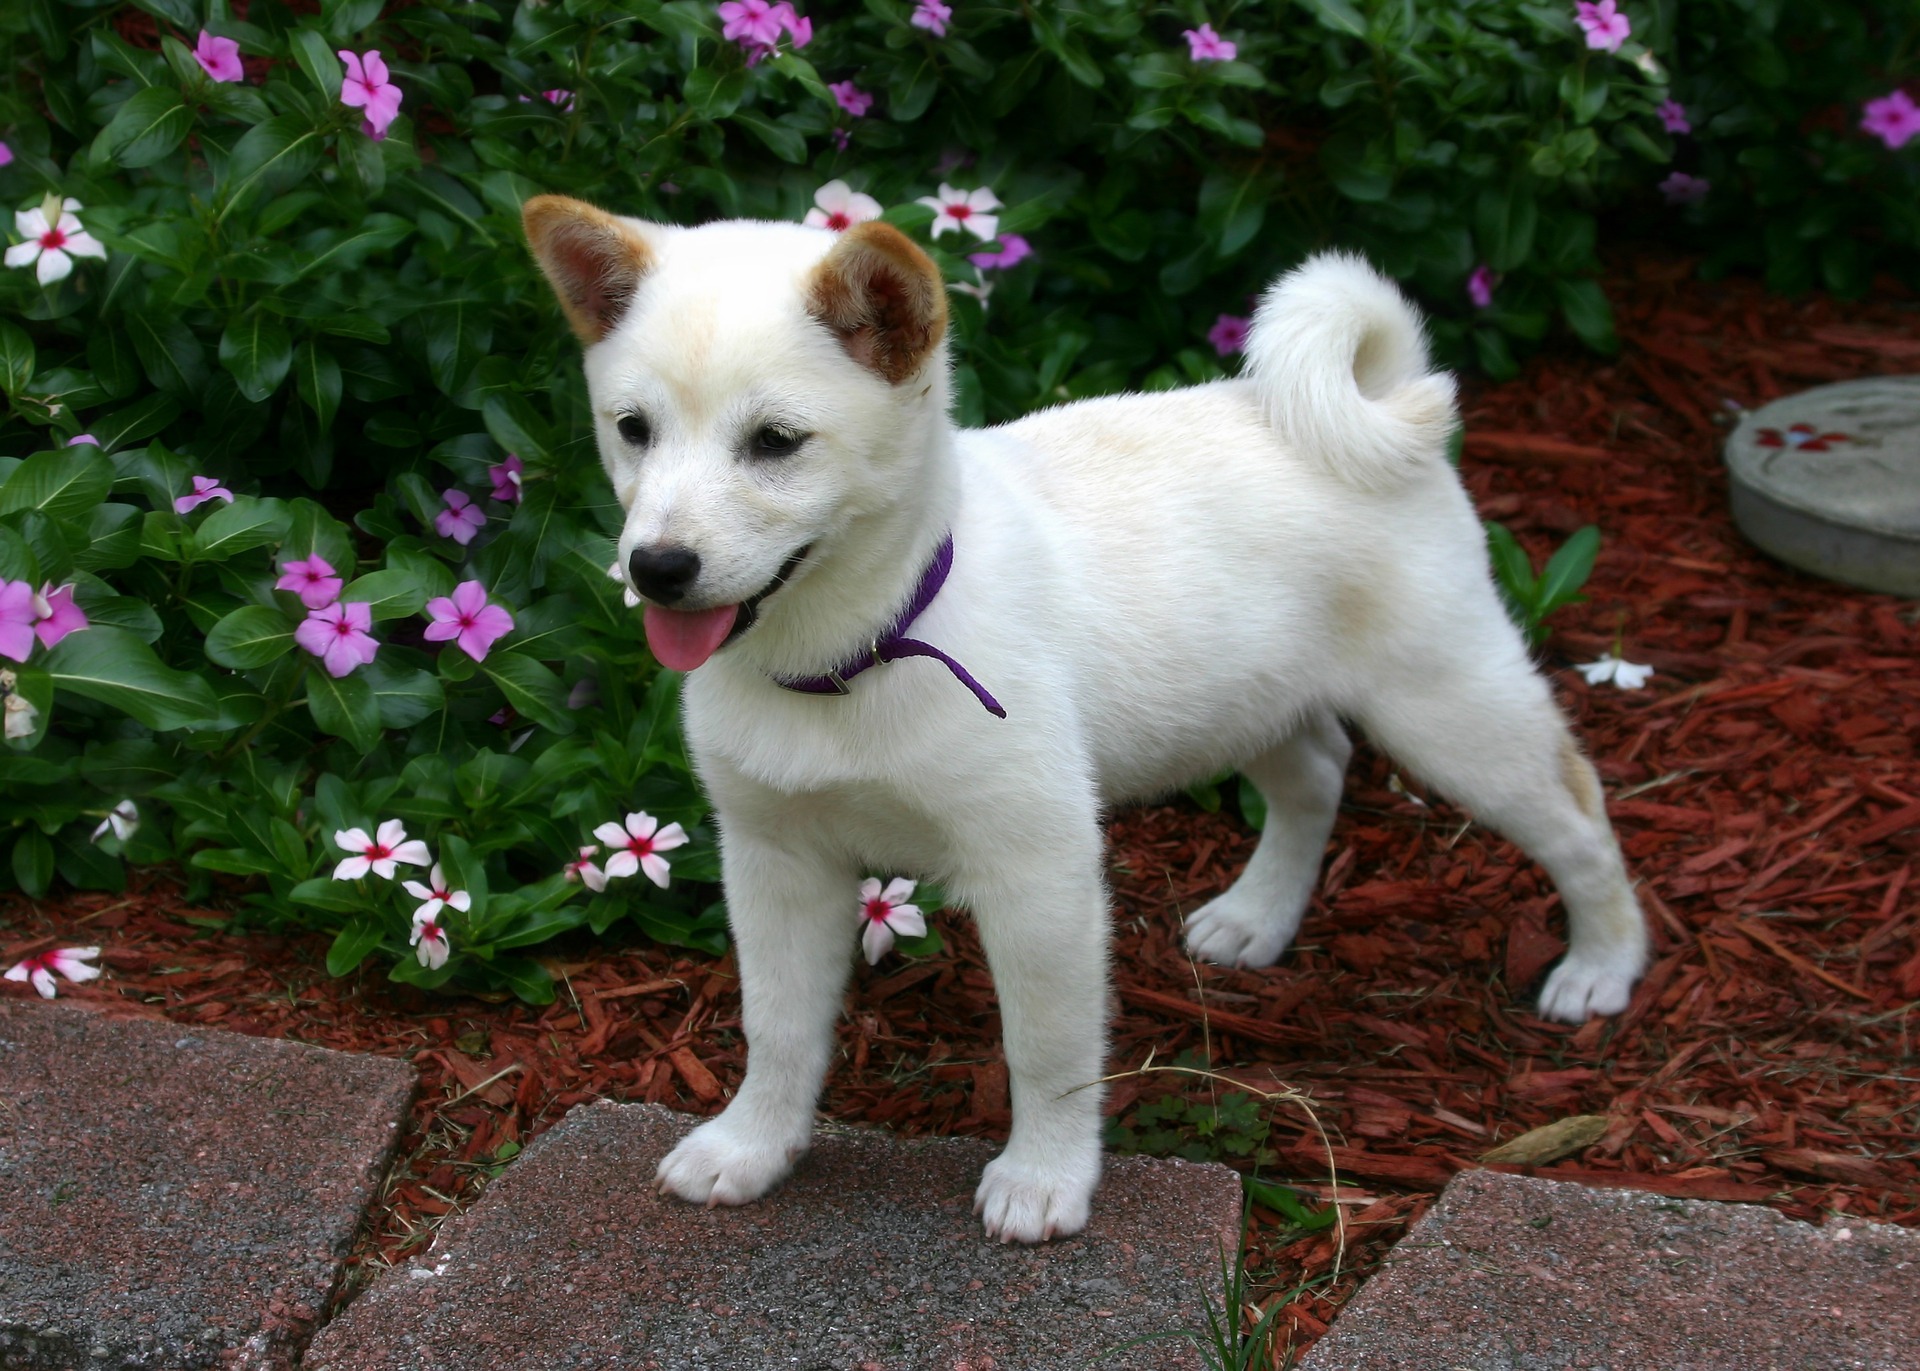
[1829, 481]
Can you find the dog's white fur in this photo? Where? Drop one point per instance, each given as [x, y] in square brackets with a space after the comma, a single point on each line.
[1156, 587]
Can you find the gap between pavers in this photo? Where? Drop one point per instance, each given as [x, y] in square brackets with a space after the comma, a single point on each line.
[868, 1259]
[1517, 1273]
[176, 1197]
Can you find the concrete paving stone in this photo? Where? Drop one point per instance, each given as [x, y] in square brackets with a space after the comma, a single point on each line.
[1514, 1273]
[869, 1258]
[175, 1197]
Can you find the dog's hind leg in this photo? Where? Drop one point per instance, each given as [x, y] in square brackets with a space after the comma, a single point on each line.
[1300, 779]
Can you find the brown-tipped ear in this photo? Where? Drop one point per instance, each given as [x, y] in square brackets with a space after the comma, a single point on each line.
[593, 260]
[882, 297]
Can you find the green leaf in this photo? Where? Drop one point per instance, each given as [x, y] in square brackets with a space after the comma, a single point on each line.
[404, 697]
[353, 945]
[344, 707]
[1339, 16]
[516, 425]
[323, 892]
[315, 57]
[1504, 222]
[16, 358]
[715, 95]
[238, 526]
[140, 420]
[172, 357]
[112, 666]
[1583, 304]
[67, 484]
[33, 862]
[1567, 570]
[391, 594]
[785, 143]
[465, 871]
[317, 377]
[283, 148]
[250, 637]
[257, 349]
[528, 979]
[531, 689]
[150, 125]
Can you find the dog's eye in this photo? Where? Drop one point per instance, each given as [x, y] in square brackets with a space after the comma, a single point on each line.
[635, 429]
[769, 441]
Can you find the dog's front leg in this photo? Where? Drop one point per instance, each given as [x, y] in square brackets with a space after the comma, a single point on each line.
[792, 914]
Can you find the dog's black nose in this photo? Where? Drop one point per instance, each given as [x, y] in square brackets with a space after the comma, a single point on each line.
[662, 574]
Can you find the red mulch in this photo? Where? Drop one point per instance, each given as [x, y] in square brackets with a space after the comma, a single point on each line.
[1763, 785]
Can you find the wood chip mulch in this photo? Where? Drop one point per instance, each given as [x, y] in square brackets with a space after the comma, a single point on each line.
[1763, 785]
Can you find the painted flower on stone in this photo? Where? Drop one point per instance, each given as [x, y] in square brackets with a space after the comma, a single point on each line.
[1893, 119]
[461, 519]
[313, 580]
[839, 207]
[55, 615]
[1228, 334]
[16, 619]
[1013, 250]
[205, 488]
[53, 238]
[430, 943]
[1627, 675]
[1480, 286]
[435, 895]
[506, 479]
[886, 913]
[1204, 45]
[467, 619]
[584, 871]
[1682, 189]
[637, 846]
[70, 962]
[377, 854]
[1673, 114]
[851, 98]
[971, 210]
[1606, 28]
[932, 16]
[338, 634]
[368, 90]
[123, 821]
[218, 57]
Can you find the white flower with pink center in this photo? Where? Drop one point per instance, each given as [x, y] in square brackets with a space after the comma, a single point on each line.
[123, 821]
[637, 846]
[379, 853]
[886, 913]
[839, 207]
[70, 962]
[430, 943]
[53, 238]
[971, 211]
[436, 895]
[584, 871]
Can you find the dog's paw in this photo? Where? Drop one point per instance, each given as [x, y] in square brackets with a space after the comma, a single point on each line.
[1024, 1203]
[1581, 987]
[723, 1163]
[1236, 931]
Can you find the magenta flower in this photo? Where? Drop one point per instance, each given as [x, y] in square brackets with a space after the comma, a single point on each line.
[313, 580]
[16, 619]
[851, 98]
[367, 88]
[1480, 286]
[1605, 26]
[1893, 119]
[559, 99]
[506, 479]
[932, 16]
[55, 615]
[1682, 189]
[379, 853]
[6, 154]
[461, 519]
[1674, 115]
[468, 620]
[751, 23]
[840, 138]
[886, 913]
[205, 488]
[1204, 45]
[1228, 334]
[798, 27]
[637, 846]
[1013, 250]
[70, 962]
[337, 634]
[218, 57]
[80, 438]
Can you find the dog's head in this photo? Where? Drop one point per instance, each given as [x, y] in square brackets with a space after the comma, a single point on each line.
[759, 390]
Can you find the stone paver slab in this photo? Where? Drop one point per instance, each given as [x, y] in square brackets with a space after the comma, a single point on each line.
[869, 1258]
[177, 1197]
[1514, 1273]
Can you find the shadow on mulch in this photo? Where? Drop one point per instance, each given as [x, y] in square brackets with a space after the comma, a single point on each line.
[1763, 786]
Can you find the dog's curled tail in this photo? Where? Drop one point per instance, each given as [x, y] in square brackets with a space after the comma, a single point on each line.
[1340, 358]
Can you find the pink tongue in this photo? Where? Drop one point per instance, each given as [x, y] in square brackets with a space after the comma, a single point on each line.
[682, 640]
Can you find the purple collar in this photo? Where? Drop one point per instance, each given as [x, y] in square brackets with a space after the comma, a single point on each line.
[895, 644]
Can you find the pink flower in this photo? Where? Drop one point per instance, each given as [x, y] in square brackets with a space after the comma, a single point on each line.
[70, 962]
[1013, 250]
[1204, 45]
[429, 943]
[1682, 189]
[468, 620]
[6, 154]
[1605, 26]
[886, 913]
[840, 138]
[560, 99]
[16, 619]
[378, 853]
[218, 57]
[1228, 334]
[506, 479]
[461, 519]
[1892, 118]
[750, 22]
[638, 846]
[851, 98]
[80, 438]
[205, 488]
[367, 88]
[337, 634]
[1674, 115]
[839, 207]
[1480, 286]
[932, 16]
[313, 581]
[971, 210]
[798, 27]
[56, 615]
[585, 872]
[436, 895]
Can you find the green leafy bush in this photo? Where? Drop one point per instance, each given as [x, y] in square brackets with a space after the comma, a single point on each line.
[282, 287]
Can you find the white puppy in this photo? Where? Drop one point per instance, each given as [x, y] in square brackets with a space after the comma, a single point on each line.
[1150, 588]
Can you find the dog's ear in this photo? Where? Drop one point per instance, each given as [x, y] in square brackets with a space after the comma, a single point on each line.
[882, 297]
[593, 259]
